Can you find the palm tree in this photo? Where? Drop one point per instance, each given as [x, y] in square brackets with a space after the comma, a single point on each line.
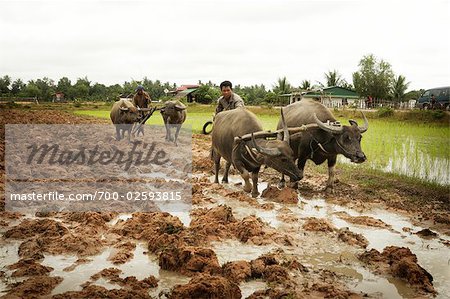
[305, 85]
[282, 86]
[399, 87]
[333, 78]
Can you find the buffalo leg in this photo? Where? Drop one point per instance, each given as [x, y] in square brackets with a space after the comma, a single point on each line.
[301, 166]
[245, 175]
[117, 132]
[129, 132]
[225, 175]
[255, 191]
[141, 130]
[176, 134]
[216, 157]
[282, 182]
[331, 172]
[166, 124]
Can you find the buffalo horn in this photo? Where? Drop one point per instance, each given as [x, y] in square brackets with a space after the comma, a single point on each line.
[328, 128]
[285, 128]
[265, 151]
[366, 124]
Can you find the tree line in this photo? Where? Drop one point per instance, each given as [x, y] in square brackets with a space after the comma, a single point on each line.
[374, 78]
[82, 88]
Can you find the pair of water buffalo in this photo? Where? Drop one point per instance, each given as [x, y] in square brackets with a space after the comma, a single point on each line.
[124, 115]
[307, 130]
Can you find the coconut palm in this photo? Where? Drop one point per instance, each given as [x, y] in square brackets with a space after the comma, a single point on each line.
[282, 86]
[333, 78]
[399, 86]
[305, 85]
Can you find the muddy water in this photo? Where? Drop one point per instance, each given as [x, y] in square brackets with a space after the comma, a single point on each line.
[141, 266]
[432, 254]
[249, 287]
[233, 250]
[8, 256]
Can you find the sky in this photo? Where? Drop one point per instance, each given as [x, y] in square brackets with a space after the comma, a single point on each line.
[247, 42]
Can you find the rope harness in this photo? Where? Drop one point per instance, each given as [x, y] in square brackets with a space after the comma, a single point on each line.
[320, 146]
[254, 161]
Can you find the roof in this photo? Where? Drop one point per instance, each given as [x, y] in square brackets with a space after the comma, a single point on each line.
[187, 86]
[334, 92]
[186, 92]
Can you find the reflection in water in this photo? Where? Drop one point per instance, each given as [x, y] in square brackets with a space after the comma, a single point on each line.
[408, 159]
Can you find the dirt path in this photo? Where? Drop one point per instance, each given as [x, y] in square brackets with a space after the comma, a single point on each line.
[357, 242]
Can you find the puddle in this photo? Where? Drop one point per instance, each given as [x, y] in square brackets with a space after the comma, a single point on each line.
[249, 287]
[233, 250]
[362, 280]
[141, 266]
[243, 209]
[124, 217]
[8, 256]
[167, 280]
[236, 183]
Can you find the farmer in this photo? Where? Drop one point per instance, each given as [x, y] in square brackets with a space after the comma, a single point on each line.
[141, 98]
[229, 100]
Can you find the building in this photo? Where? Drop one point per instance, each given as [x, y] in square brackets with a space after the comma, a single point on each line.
[186, 90]
[332, 97]
[58, 97]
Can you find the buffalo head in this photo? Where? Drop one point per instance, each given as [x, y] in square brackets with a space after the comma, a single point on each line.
[347, 138]
[277, 154]
[129, 115]
[172, 108]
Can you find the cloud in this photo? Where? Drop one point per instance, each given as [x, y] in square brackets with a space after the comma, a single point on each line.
[248, 42]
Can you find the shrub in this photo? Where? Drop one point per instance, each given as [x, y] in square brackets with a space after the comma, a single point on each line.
[437, 114]
[385, 112]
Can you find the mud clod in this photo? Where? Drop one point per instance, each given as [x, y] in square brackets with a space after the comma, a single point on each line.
[402, 263]
[286, 195]
[249, 227]
[427, 233]
[34, 287]
[349, 237]
[318, 225]
[362, 220]
[206, 286]
[190, 260]
[237, 271]
[29, 267]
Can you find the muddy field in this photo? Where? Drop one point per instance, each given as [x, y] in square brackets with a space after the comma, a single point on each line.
[392, 242]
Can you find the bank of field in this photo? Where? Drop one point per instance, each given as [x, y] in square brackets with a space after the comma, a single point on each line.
[415, 145]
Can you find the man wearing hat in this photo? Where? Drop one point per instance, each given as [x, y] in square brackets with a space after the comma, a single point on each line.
[141, 98]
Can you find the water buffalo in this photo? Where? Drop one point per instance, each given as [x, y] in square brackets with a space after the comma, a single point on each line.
[247, 155]
[174, 115]
[123, 115]
[324, 142]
